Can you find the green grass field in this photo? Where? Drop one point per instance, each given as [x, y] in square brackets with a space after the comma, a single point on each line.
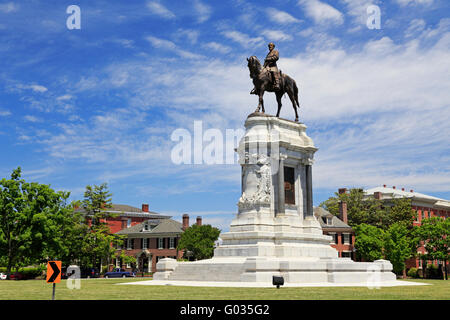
[105, 289]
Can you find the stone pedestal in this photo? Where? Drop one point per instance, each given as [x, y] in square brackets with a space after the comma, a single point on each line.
[275, 231]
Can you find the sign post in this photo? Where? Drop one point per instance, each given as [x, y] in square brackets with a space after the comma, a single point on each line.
[54, 274]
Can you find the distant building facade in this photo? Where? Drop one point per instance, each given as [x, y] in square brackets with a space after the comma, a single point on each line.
[150, 236]
[425, 206]
[343, 236]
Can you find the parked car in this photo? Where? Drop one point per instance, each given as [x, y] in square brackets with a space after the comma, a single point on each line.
[16, 276]
[84, 273]
[119, 273]
[3, 276]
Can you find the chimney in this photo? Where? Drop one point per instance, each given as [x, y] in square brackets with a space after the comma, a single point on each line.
[377, 195]
[411, 190]
[384, 186]
[185, 221]
[403, 189]
[343, 211]
[145, 207]
[199, 221]
[343, 206]
[393, 187]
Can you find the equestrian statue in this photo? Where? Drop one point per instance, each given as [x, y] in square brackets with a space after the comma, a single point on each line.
[269, 78]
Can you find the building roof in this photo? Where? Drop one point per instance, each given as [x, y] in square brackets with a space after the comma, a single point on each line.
[336, 223]
[129, 211]
[160, 227]
[391, 193]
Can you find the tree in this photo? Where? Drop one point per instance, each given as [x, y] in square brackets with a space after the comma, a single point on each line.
[369, 242]
[368, 210]
[359, 209]
[98, 243]
[398, 246]
[434, 233]
[199, 240]
[31, 215]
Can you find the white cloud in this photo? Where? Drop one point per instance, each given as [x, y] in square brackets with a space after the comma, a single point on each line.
[322, 13]
[34, 87]
[243, 39]
[404, 3]
[357, 9]
[157, 8]
[8, 7]
[280, 17]
[32, 118]
[217, 47]
[169, 45]
[203, 11]
[276, 35]
[416, 27]
[64, 97]
[5, 113]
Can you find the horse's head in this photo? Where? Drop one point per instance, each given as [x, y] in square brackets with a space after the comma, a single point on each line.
[254, 65]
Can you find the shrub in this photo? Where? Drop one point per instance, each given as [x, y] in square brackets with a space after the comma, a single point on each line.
[413, 273]
[433, 272]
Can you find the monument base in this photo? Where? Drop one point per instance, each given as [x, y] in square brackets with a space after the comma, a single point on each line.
[262, 269]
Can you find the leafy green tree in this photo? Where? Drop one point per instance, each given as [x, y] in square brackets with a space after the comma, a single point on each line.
[369, 242]
[398, 246]
[98, 244]
[199, 240]
[368, 210]
[31, 215]
[434, 233]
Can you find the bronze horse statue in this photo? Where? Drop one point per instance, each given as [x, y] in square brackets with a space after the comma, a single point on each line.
[262, 81]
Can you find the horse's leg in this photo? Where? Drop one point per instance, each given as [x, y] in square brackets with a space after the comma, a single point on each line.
[279, 95]
[294, 104]
[261, 101]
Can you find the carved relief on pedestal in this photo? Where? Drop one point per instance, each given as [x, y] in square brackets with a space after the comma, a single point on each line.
[256, 182]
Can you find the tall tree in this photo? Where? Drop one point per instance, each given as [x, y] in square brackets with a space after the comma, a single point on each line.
[369, 242]
[434, 233]
[30, 218]
[98, 244]
[199, 240]
[398, 246]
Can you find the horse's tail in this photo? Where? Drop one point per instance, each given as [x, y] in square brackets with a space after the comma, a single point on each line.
[296, 94]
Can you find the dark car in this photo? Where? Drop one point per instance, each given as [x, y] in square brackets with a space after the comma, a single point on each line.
[84, 273]
[119, 273]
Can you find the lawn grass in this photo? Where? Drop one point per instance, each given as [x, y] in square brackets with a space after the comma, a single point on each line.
[105, 289]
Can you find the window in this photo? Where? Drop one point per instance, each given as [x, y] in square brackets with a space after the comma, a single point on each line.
[346, 238]
[171, 243]
[146, 227]
[130, 244]
[129, 222]
[336, 238]
[289, 185]
[346, 254]
[160, 243]
[145, 243]
[118, 264]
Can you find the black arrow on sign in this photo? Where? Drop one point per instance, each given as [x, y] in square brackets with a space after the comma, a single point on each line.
[55, 271]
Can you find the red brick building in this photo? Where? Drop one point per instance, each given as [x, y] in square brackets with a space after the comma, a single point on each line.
[151, 240]
[150, 236]
[425, 206]
[343, 235]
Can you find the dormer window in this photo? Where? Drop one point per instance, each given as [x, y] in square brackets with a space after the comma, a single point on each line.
[146, 227]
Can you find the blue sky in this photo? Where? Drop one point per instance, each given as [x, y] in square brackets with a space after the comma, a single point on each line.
[99, 104]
